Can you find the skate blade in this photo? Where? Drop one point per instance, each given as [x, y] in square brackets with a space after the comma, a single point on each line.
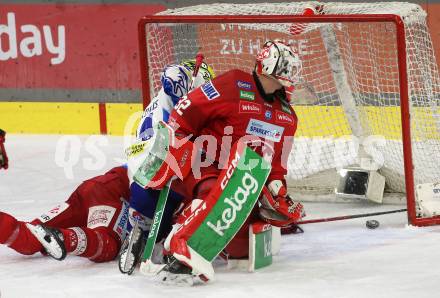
[50, 244]
[127, 260]
[126, 264]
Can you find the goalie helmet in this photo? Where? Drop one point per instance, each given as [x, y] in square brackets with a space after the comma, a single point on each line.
[279, 61]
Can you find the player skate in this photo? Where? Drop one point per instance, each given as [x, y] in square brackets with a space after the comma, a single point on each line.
[176, 273]
[131, 250]
[51, 239]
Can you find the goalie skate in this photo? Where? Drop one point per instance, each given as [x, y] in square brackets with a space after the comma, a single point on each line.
[175, 273]
[131, 251]
[51, 239]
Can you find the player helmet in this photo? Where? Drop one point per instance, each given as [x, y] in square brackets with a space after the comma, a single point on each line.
[280, 61]
[205, 74]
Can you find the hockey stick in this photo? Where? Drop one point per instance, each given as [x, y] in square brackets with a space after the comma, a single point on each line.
[199, 61]
[344, 217]
[292, 228]
[147, 266]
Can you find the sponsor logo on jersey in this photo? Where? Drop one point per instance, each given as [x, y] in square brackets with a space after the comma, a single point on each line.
[100, 216]
[284, 118]
[267, 104]
[247, 95]
[249, 107]
[285, 107]
[151, 107]
[268, 115]
[143, 221]
[244, 85]
[53, 212]
[209, 90]
[135, 149]
[120, 226]
[265, 130]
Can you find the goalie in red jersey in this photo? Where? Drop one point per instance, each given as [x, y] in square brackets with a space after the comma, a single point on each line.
[91, 223]
[234, 108]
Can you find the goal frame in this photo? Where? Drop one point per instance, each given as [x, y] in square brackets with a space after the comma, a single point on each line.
[402, 68]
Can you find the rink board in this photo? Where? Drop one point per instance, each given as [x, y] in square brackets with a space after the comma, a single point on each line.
[84, 118]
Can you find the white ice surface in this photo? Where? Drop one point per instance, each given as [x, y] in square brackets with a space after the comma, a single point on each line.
[338, 259]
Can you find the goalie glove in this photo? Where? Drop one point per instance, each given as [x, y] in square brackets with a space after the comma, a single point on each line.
[3, 156]
[277, 208]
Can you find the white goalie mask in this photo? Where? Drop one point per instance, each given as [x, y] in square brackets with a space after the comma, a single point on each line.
[279, 61]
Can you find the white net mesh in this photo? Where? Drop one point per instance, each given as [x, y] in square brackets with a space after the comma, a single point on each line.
[350, 82]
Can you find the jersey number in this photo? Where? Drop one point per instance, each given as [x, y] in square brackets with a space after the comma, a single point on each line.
[182, 105]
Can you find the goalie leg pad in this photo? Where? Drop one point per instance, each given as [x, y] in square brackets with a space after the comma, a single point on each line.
[264, 242]
[238, 248]
[178, 248]
[212, 222]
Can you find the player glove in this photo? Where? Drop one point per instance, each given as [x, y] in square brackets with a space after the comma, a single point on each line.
[3, 156]
[277, 207]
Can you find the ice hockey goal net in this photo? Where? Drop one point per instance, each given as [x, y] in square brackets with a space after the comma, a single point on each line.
[365, 68]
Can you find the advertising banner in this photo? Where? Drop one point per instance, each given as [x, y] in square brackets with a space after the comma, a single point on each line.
[71, 46]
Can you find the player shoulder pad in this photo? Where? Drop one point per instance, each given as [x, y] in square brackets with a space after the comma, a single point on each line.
[176, 81]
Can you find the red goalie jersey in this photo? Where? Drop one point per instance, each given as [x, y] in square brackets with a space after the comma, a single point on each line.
[231, 107]
[220, 113]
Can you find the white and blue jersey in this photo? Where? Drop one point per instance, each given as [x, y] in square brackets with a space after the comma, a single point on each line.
[176, 82]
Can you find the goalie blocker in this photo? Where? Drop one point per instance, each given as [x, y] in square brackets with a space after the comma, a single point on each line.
[164, 157]
[207, 226]
[264, 242]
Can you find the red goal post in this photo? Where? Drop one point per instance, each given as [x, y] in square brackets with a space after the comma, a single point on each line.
[148, 89]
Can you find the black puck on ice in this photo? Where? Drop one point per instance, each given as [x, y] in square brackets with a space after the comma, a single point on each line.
[372, 224]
